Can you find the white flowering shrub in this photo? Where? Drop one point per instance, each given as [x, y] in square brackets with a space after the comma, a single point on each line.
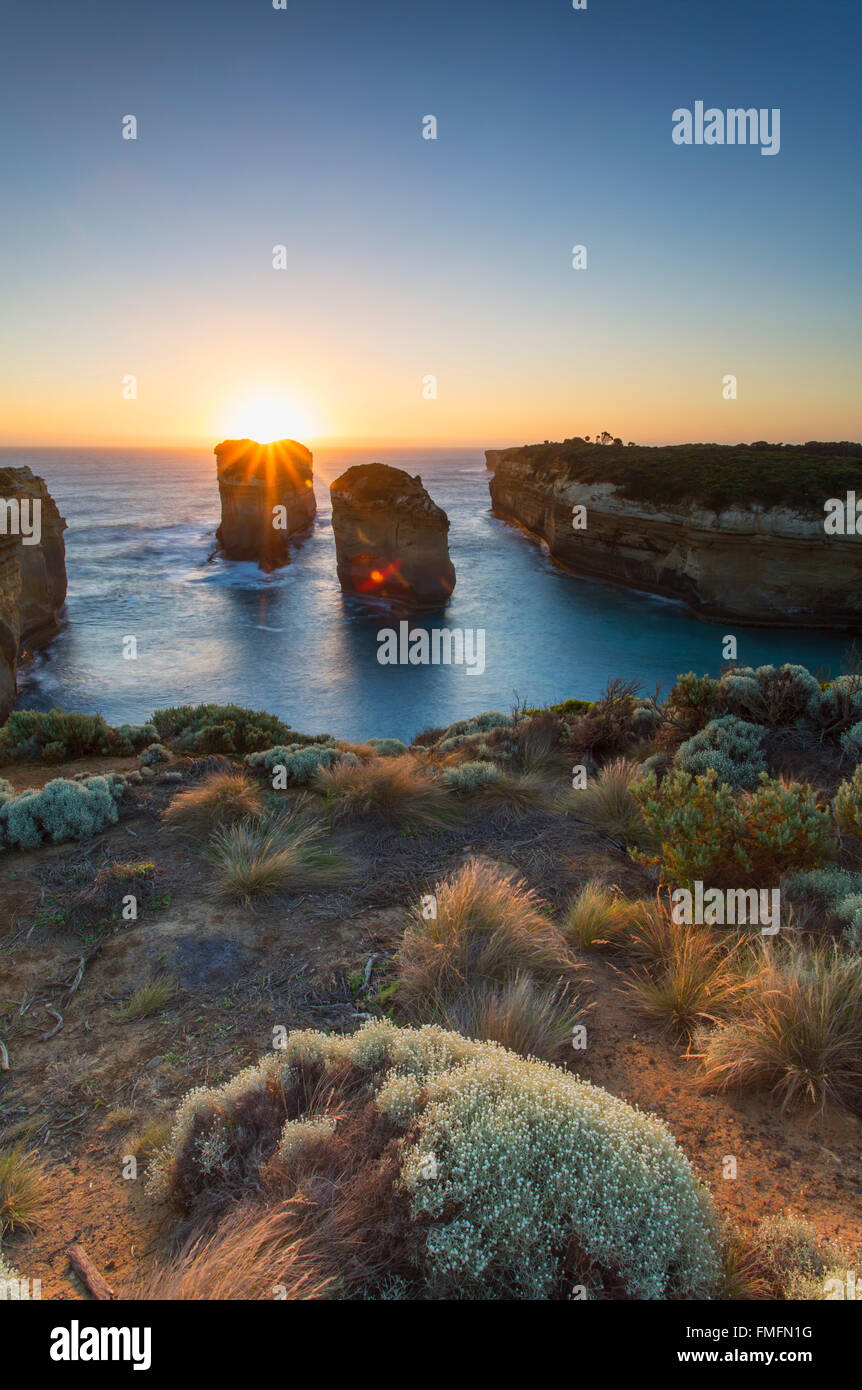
[61, 810]
[509, 1164]
[300, 761]
[729, 746]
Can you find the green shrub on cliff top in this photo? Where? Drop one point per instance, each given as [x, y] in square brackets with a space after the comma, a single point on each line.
[220, 729]
[53, 736]
[510, 1165]
[706, 832]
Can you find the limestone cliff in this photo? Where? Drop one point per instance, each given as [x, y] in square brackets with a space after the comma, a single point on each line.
[267, 496]
[749, 561]
[32, 576]
[390, 538]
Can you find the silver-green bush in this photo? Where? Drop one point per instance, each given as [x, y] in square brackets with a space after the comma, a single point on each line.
[61, 810]
[509, 1163]
[730, 746]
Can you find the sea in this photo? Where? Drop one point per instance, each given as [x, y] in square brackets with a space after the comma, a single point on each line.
[140, 562]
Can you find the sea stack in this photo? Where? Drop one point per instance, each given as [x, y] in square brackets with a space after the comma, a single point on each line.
[267, 496]
[390, 538]
[32, 573]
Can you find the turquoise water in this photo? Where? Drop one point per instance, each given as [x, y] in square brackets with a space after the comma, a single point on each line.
[141, 531]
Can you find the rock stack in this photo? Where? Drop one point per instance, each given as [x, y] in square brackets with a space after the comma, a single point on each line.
[267, 496]
[390, 538]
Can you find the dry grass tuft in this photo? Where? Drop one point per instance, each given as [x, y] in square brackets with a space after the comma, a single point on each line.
[254, 858]
[607, 803]
[222, 800]
[148, 1000]
[698, 983]
[594, 917]
[387, 789]
[488, 927]
[533, 1019]
[24, 1188]
[799, 1033]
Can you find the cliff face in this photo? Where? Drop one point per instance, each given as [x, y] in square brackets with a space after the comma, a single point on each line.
[390, 538]
[267, 495]
[772, 566]
[32, 576]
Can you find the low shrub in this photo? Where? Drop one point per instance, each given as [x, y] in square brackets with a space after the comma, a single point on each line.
[516, 1179]
[847, 805]
[220, 729]
[705, 832]
[793, 1262]
[728, 746]
[778, 696]
[294, 765]
[61, 810]
[784, 829]
[696, 824]
[388, 747]
[155, 754]
[54, 736]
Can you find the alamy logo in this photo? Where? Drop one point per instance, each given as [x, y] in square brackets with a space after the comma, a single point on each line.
[77, 1343]
[21, 517]
[446, 646]
[720, 907]
[843, 517]
[736, 126]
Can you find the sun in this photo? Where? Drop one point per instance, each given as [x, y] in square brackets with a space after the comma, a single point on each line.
[266, 418]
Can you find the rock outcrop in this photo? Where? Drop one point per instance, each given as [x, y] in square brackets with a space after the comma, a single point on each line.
[32, 573]
[267, 496]
[492, 458]
[755, 563]
[390, 538]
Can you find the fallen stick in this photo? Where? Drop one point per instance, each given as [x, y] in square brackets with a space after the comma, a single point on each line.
[89, 1275]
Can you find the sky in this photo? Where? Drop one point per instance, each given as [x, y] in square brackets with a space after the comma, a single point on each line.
[408, 258]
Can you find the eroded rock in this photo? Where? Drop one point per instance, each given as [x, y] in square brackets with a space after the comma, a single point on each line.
[391, 539]
[267, 497]
[32, 573]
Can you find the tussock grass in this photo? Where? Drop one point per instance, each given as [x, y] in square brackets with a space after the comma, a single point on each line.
[24, 1188]
[221, 800]
[521, 1014]
[488, 927]
[607, 803]
[698, 983]
[148, 1000]
[254, 858]
[799, 1032]
[594, 917]
[387, 789]
[152, 1137]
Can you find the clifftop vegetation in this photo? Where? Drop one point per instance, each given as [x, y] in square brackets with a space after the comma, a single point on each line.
[713, 475]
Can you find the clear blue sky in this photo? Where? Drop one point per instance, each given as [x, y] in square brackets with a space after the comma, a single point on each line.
[409, 257]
